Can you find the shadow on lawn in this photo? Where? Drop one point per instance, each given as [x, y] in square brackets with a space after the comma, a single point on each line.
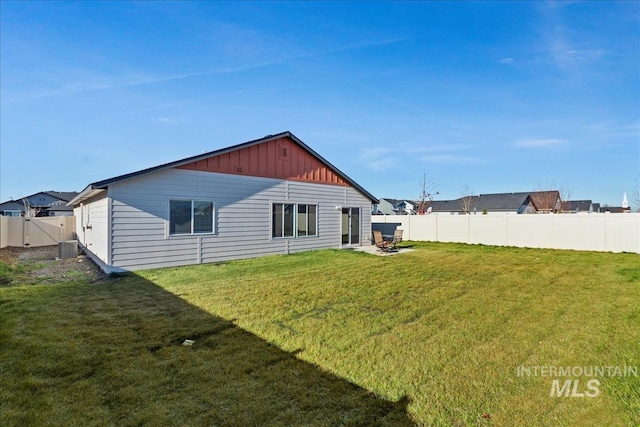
[118, 358]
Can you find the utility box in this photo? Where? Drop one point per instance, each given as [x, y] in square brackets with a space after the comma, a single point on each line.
[68, 249]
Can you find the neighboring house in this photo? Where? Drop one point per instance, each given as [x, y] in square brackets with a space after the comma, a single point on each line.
[580, 206]
[396, 207]
[273, 195]
[383, 207]
[519, 203]
[44, 203]
[615, 209]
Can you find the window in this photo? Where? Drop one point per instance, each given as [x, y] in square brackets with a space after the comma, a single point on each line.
[190, 217]
[294, 220]
[307, 220]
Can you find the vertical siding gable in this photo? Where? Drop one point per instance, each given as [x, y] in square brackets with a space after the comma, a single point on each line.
[268, 160]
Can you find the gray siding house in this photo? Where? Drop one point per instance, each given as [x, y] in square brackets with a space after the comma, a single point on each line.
[274, 195]
[44, 203]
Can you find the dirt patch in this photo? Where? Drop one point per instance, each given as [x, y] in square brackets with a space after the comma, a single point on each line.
[40, 265]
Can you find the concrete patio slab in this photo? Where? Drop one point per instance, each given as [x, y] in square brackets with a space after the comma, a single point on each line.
[372, 249]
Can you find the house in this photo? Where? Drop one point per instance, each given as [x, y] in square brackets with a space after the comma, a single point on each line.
[273, 195]
[396, 207]
[580, 206]
[383, 207]
[44, 203]
[518, 203]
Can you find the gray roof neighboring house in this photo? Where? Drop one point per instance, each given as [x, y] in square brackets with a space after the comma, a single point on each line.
[614, 209]
[499, 202]
[43, 200]
[577, 206]
[517, 202]
[395, 206]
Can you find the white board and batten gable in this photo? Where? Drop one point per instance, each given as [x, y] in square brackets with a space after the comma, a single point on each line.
[273, 195]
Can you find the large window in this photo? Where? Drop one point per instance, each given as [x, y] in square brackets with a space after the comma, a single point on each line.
[294, 220]
[190, 217]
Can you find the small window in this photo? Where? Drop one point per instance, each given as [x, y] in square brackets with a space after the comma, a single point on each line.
[190, 217]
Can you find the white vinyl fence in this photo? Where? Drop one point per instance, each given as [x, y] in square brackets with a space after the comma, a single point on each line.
[590, 232]
[34, 232]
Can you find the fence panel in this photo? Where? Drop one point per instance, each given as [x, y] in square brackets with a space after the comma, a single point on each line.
[36, 232]
[4, 232]
[591, 232]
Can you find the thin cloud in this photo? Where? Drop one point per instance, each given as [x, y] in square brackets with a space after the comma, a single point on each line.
[539, 143]
[506, 61]
[374, 153]
[106, 83]
[449, 159]
[168, 120]
[436, 148]
[578, 55]
[382, 165]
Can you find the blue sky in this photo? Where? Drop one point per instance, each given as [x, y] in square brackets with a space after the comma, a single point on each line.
[498, 96]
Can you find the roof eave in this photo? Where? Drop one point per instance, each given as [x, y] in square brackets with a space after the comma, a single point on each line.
[90, 191]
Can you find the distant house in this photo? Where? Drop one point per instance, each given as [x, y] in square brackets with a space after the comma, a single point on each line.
[580, 206]
[384, 207]
[615, 209]
[44, 203]
[396, 207]
[273, 195]
[518, 203]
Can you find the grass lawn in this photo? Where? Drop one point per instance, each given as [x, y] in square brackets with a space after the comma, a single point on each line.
[431, 337]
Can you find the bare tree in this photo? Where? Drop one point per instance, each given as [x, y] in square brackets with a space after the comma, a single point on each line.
[427, 192]
[466, 196]
[550, 197]
[29, 211]
[565, 199]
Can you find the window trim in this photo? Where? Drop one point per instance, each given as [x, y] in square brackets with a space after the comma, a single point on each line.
[295, 220]
[192, 233]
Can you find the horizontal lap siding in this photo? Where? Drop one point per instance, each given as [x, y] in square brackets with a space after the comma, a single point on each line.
[140, 210]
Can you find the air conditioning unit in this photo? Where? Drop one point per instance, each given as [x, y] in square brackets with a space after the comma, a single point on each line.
[68, 249]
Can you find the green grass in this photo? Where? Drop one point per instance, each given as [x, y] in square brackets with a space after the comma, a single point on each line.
[328, 338]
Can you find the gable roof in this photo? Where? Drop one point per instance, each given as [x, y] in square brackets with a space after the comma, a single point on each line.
[545, 199]
[577, 205]
[62, 195]
[98, 186]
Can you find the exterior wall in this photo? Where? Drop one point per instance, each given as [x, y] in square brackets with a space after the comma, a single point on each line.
[92, 227]
[594, 232]
[139, 210]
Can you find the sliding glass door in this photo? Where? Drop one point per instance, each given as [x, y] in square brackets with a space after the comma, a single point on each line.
[350, 226]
